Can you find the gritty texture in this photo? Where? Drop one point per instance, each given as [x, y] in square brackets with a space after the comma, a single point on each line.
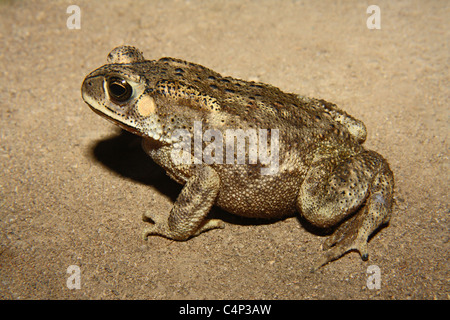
[73, 187]
[321, 168]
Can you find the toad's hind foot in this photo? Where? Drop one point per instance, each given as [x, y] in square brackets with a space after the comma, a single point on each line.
[357, 190]
[354, 233]
[345, 238]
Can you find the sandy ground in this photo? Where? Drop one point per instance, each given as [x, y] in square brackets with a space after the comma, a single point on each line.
[73, 188]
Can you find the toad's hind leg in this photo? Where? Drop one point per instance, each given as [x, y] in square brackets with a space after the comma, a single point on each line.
[330, 193]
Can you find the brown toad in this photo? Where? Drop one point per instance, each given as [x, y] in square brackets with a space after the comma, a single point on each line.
[317, 165]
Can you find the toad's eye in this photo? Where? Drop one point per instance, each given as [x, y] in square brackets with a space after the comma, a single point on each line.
[119, 90]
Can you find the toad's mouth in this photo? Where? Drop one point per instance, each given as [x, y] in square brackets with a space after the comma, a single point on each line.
[118, 122]
[150, 140]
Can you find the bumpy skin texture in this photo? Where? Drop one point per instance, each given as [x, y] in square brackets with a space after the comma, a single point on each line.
[324, 173]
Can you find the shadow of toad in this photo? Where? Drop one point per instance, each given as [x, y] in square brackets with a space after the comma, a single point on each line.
[122, 153]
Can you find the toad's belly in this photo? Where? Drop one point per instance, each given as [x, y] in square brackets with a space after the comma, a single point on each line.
[259, 197]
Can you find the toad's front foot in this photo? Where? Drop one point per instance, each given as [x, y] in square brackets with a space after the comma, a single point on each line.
[160, 227]
[188, 215]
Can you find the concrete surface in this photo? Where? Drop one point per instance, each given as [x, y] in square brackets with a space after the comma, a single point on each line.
[73, 188]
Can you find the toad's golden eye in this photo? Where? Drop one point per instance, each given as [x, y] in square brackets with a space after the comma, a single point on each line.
[119, 90]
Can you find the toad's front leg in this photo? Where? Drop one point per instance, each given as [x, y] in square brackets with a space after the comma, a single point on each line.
[188, 215]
